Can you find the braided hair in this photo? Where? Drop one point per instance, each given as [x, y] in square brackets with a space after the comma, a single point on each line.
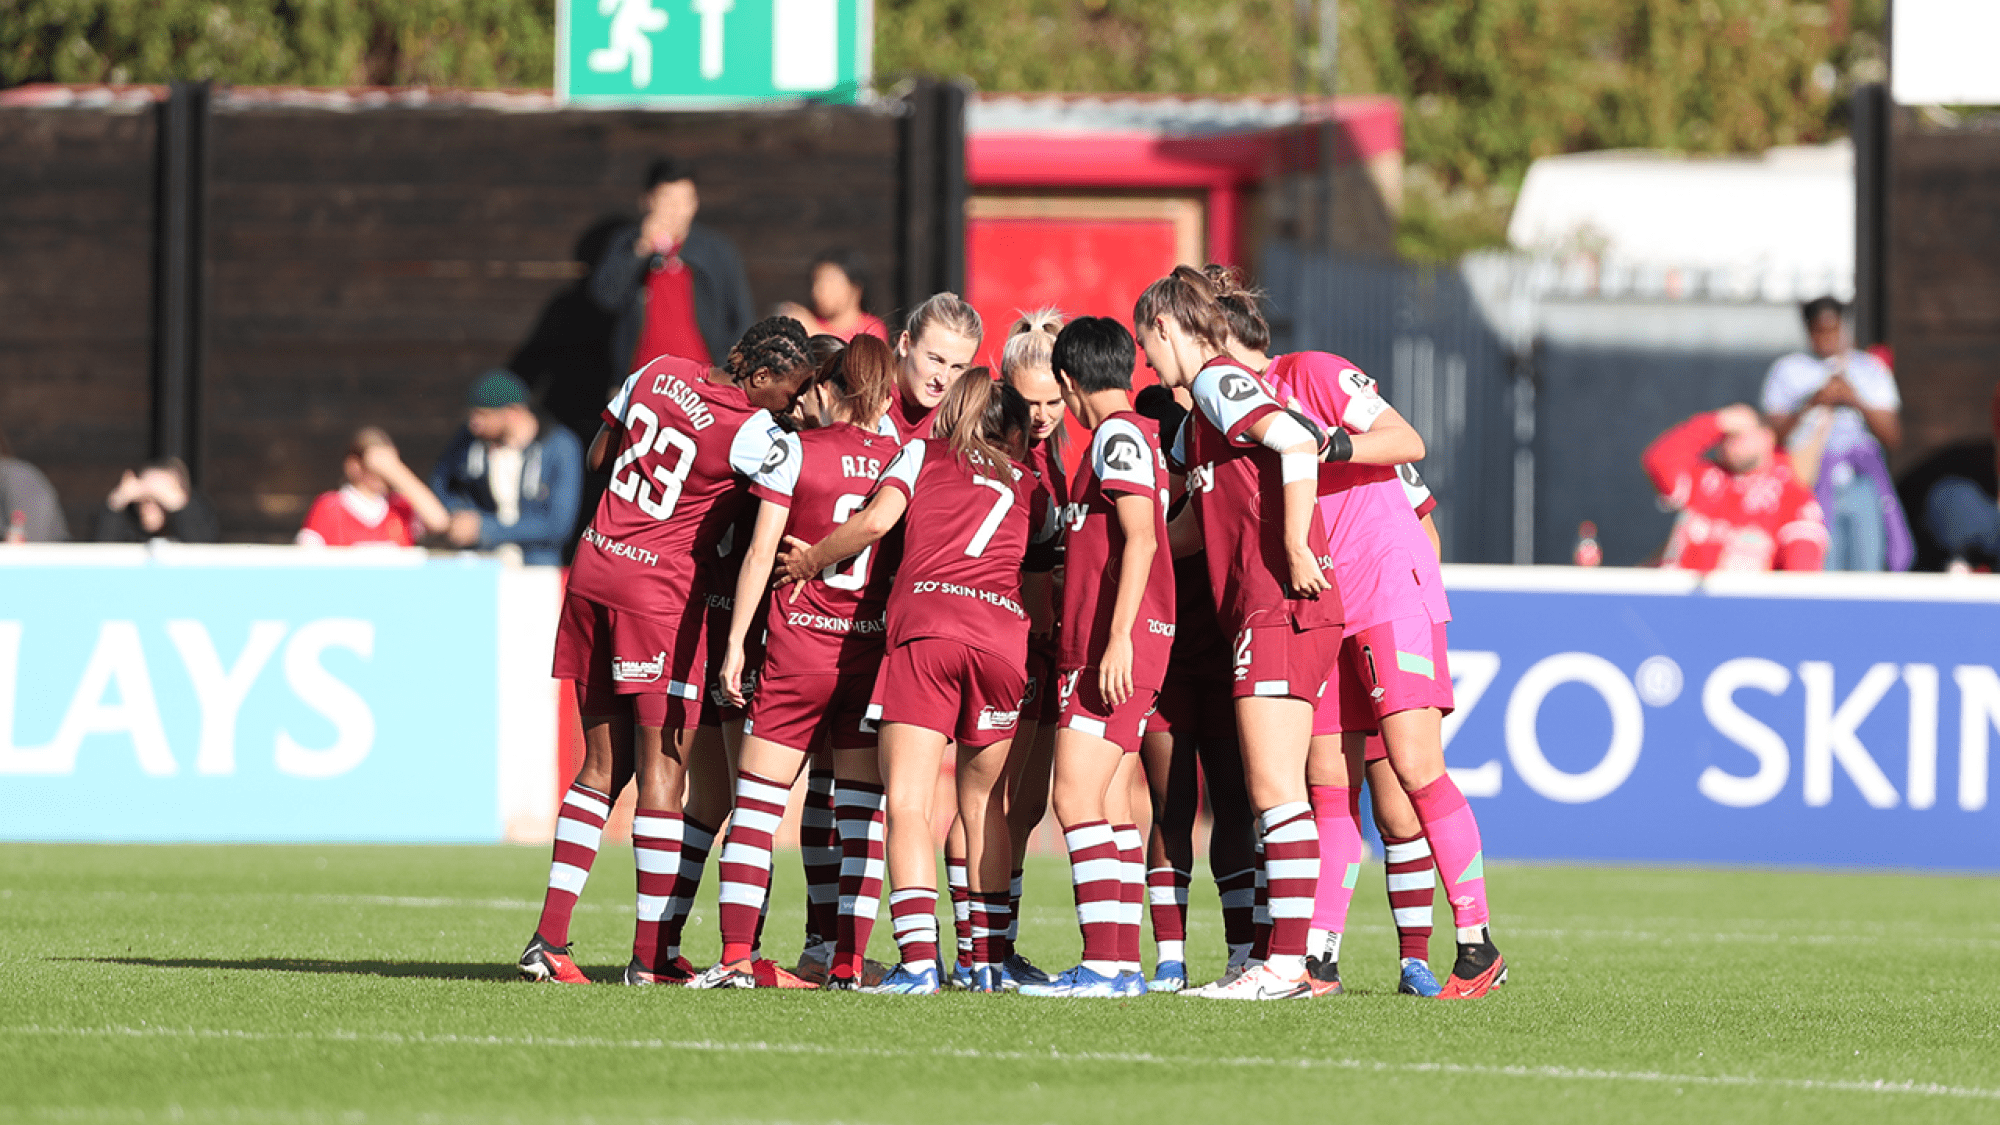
[776, 344]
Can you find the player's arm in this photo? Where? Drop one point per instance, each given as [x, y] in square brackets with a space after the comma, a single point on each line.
[1135, 569]
[1298, 461]
[800, 560]
[1431, 531]
[600, 449]
[751, 582]
[1387, 440]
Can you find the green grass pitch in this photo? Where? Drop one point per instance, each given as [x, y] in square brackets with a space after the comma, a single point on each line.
[352, 984]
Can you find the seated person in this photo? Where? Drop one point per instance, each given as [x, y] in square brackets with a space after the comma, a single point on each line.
[29, 507]
[1964, 518]
[1743, 509]
[510, 476]
[839, 286]
[157, 501]
[382, 503]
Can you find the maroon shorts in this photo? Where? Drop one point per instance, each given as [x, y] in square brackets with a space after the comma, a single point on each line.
[1085, 710]
[1375, 751]
[792, 711]
[1039, 704]
[1197, 706]
[1279, 660]
[715, 710]
[954, 689]
[611, 652]
[1395, 666]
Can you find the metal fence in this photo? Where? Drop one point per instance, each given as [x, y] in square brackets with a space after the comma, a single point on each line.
[1421, 333]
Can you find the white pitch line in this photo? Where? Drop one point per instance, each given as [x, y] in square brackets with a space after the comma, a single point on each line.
[711, 1046]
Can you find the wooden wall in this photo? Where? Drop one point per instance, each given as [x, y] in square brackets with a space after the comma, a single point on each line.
[363, 267]
[76, 279]
[1944, 283]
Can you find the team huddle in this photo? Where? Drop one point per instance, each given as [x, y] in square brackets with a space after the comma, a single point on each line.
[850, 560]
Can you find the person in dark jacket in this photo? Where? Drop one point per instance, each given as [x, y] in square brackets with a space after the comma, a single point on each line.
[157, 501]
[675, 286]
[510, 476]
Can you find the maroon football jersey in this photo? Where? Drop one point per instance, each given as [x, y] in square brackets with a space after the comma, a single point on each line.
[1239, 499]
[966, 532]
[907, 417]
[1124, 459]
[836, 621]
[680, 442]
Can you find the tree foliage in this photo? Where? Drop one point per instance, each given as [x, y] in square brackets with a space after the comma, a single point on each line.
[1486, 85]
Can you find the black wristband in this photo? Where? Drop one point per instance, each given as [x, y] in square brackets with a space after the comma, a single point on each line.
[1339, 446]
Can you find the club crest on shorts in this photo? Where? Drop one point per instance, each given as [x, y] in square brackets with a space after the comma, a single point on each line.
[639, 671]
[992, 718]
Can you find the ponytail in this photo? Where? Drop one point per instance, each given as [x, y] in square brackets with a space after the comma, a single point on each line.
[1030, 342]
[1241, 307]
[1187, 297]
[975, 418]
[861, 377]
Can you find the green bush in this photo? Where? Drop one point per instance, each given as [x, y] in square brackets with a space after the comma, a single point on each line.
[1486, 85]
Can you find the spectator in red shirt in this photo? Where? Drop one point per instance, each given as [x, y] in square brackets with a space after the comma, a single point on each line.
[675, 286]
[1742, 509]
[839, 291]
[383, 502]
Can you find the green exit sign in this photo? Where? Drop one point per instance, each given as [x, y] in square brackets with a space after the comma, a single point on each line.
[712, 52]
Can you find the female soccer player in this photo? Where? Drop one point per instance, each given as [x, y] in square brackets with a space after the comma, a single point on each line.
[825, 640]
[1253, 469]
[1195, 723]
[1118, 627]
[937, 344]
[631, 634]
[958, 640]
[1391, 679]
[1024, 366]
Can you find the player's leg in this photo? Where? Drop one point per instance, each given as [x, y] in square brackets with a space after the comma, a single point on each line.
[1333, 778]
[1123, 812]
[1031, 758]
[606, 768]
[1172, 779]
[860, 803]
[766, 771]
[1085, 765]
[1411, 875]
[981, 782]
[661, 742]
[1283, 675]
[819, 852]
[911, 757]
[1232, 839]
[1414, 735]
[959, 886]
[583, 657]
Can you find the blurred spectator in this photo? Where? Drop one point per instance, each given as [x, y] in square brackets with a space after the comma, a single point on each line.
[1964, 518]
[508, 476]
[1741, 510]
[1856, 393]
[157, 501]
[676, 287]
[30, 511]
[382, 501]
[839, 295]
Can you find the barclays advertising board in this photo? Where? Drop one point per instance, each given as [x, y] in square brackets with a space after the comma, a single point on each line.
[1759, 719]
[154, 695]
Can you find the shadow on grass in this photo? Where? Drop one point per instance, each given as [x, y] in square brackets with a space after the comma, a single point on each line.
[426, 969]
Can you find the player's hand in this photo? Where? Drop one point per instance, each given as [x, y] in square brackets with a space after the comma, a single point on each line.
[797, 562]
[1308, 580]
[463, 531]
[1114, 671]
[732, 677]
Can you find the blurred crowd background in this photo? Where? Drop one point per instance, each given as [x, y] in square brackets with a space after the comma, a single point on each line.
[346, 272]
